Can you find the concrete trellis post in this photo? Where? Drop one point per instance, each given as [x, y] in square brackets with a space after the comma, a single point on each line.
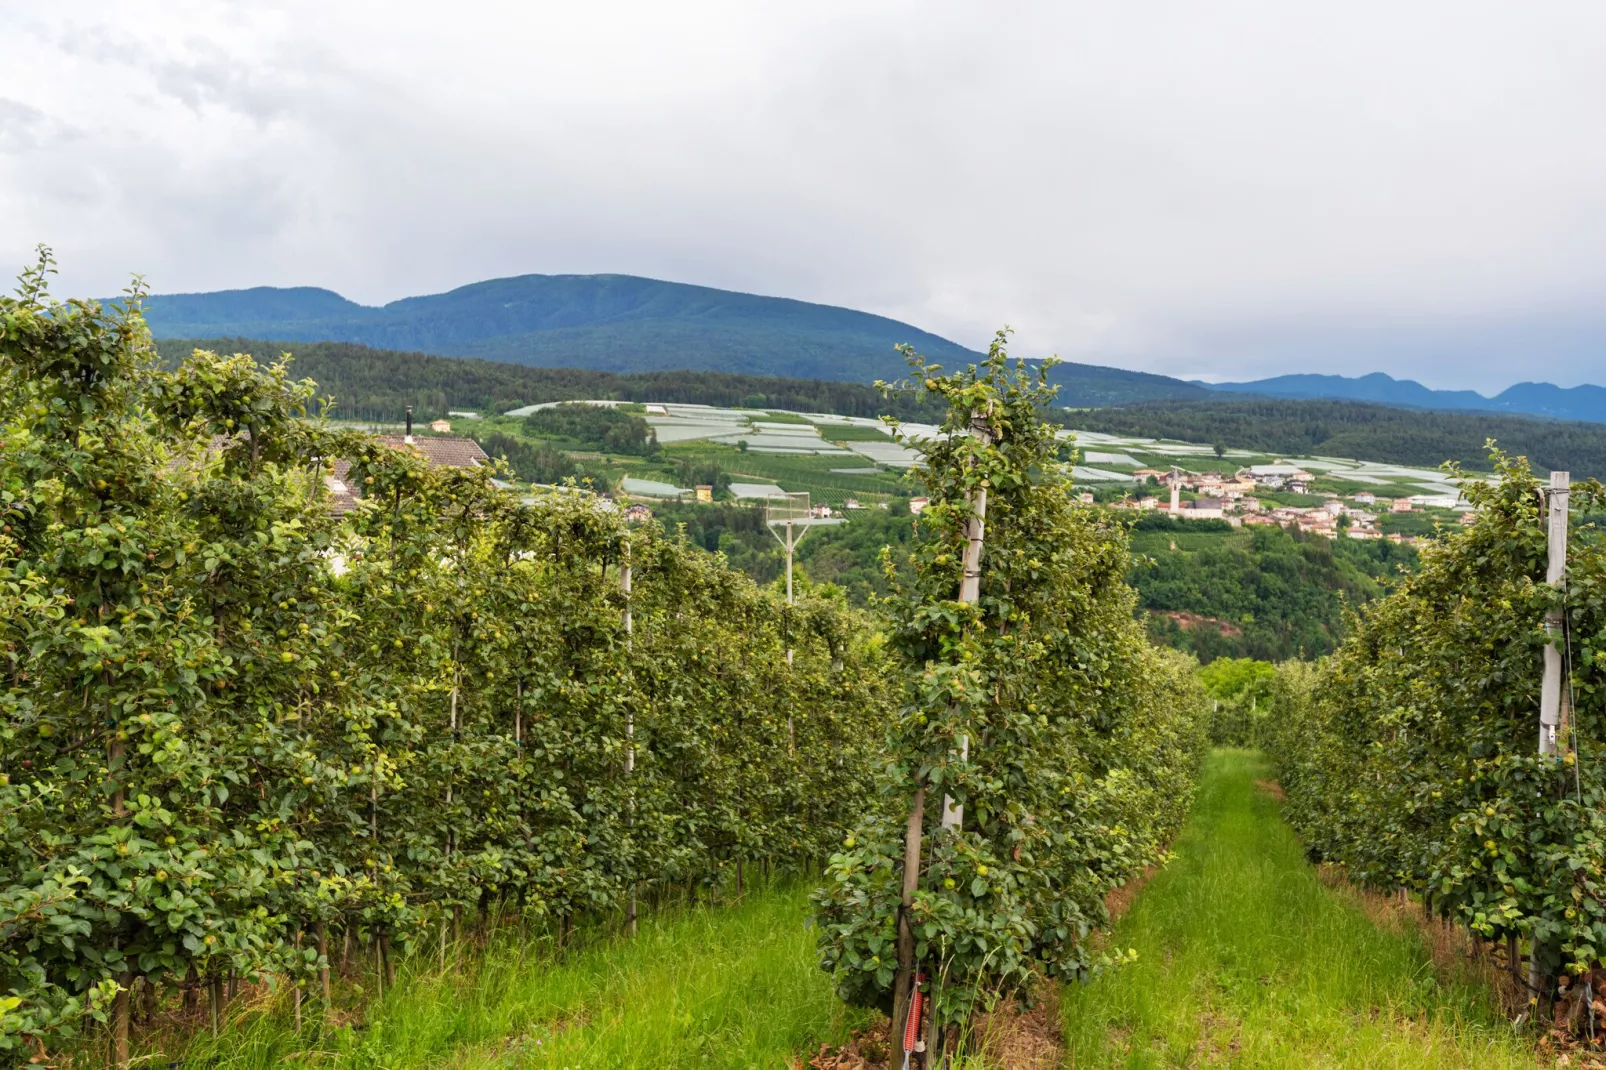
[1552, 713]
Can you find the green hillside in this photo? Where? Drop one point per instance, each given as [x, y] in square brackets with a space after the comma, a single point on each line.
[379, 383]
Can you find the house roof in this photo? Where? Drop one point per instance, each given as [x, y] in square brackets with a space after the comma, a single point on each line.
[443, 451]
[440, 451]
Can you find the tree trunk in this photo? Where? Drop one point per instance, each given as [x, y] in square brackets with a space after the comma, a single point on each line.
[215, 992]
[120, 1014]
[148, 998]
[323, 961]
[295, 992]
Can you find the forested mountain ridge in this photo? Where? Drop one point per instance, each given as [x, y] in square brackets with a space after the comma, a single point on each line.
[380, 383]
[617, 323]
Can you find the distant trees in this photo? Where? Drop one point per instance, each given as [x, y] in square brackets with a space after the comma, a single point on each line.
[537, 462]
[1263, 593]
[378, 384]
[595, 427]
[1358, 429]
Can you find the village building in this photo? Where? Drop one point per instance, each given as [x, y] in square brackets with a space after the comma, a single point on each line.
[918, 505]
[439, 452]
[1203, 509]
[1288, 477]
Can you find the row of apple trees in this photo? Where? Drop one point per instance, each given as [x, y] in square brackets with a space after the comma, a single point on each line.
[234, 723]
[1042, 751]
[1411, 755]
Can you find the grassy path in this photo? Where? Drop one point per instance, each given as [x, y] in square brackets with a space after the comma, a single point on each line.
[1246, 959]
[721, 987]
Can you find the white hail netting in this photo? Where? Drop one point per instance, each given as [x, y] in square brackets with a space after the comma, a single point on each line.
[791, 506]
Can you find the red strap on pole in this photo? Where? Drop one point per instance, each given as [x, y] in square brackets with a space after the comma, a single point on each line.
[911, 1027]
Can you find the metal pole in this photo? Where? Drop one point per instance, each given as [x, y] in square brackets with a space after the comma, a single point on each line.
[789, 545]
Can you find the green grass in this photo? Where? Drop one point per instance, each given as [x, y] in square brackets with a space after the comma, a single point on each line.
[714, 987]
[1246, 959]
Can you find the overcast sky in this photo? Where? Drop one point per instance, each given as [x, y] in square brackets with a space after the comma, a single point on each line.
[1225, 190]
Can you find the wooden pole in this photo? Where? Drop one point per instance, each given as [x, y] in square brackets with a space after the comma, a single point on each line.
[913, 832]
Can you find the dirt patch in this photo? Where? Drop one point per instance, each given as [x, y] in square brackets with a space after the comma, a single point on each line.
[1028, 1040]
[1272, 788]
[1189, 621]
[1007, 1039]
[1119, 900]
[869, 1050]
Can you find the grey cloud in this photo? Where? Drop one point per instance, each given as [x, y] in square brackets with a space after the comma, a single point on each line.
[1231, 189]
[24, 128]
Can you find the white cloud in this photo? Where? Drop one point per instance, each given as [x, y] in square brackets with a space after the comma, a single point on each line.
[1234, 189]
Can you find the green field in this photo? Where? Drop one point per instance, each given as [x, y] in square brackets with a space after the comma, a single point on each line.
[1246, 959]
[713, 986]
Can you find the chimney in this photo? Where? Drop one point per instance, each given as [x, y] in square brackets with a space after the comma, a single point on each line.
[409, 437]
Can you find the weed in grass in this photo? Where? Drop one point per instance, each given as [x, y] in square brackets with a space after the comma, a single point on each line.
[1245, 958]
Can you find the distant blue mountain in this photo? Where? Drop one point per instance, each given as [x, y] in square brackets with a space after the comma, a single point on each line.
[608, 322]
[1535, 399]
[617, 323]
